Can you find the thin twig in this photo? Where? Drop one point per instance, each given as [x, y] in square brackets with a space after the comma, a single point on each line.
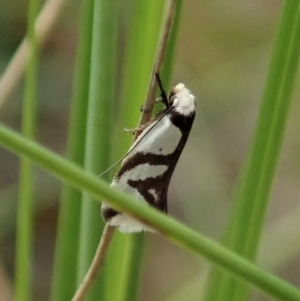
[44, 25]
[160, 54]
[96, 264]
[108, 231]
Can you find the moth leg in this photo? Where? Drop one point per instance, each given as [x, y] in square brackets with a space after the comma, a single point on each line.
[130, 131]
[163, 95]
[133, 131]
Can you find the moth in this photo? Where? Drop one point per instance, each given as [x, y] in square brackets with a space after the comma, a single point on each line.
[146, 171]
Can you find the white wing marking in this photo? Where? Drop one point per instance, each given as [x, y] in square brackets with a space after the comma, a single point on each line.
[153, 192]
[141, 172]
[162, 140]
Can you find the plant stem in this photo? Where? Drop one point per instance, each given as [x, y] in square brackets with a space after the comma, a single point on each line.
[96, 265]
[66, 250]
[44, 26]
[160, 55]
[25, 216]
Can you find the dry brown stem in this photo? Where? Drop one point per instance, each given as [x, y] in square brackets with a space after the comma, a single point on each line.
[44, 25]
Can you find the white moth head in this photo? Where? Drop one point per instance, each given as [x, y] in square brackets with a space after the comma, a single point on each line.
[182, 100]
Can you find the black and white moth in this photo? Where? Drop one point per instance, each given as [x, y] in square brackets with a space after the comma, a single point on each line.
[146, 171]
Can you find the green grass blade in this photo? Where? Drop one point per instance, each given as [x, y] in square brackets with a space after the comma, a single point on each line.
[253, 197]
[130, 269]
[275, 139]
[25, 217]
[99, 128]
[139, 56]
[64, 273]
[174, 230]
[145, 26]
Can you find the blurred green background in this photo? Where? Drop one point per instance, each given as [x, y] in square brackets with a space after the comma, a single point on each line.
[222, 56]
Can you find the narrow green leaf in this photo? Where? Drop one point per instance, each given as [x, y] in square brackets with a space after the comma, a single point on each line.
[172, 229]
[25, 216]
[145, 27]
[140, 49]
[252, 198]
[64, 273]
[99, 128]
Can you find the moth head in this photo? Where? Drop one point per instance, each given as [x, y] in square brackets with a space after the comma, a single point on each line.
[182, 100]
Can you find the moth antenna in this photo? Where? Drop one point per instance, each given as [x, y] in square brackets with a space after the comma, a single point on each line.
[131, 149]
[111, 167]
[163, 94]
